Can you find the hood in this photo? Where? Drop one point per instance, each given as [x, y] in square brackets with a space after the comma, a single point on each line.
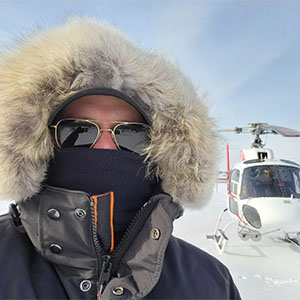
[41, 71]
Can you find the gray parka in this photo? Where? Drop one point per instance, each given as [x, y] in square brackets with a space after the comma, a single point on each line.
[50, 255]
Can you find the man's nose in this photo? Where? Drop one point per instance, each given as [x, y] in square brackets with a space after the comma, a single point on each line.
[105, 141]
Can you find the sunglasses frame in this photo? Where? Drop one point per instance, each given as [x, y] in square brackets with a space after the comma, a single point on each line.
[112, 131]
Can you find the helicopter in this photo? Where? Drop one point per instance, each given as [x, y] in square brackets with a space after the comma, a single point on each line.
[263, 193]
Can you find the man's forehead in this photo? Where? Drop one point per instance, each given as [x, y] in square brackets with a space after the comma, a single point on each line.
[102, 108]
[103, 92]
[98, 101]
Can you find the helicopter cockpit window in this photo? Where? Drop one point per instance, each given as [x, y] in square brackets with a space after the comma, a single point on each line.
[270, 181]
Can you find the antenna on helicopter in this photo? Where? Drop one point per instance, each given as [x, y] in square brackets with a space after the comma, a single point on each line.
[258, 129]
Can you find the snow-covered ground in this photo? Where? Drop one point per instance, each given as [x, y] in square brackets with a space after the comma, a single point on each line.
[4, 207]
[269, 269]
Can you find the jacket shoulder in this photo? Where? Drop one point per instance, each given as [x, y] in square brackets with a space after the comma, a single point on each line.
[192, 254]
[10, 234]
[6, 224]
[194, 274]
[26, 273]
[4, 217]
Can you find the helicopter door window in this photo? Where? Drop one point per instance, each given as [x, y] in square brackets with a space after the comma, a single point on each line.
[234, 181]
[296, 176]
[233, 206]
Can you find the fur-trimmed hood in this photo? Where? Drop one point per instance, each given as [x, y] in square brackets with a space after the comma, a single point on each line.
[46, 68]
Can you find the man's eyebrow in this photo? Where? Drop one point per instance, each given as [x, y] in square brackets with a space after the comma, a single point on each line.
[99, 120]
[103, 121]
[110, 121]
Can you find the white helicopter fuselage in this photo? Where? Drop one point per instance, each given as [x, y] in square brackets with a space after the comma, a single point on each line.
[264, 194]
[276, 213]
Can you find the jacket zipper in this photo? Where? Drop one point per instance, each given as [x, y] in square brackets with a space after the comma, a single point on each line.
[106, 262]
[131, 232]
[104, 274]
[103, 270]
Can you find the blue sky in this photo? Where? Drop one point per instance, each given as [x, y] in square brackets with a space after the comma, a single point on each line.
[245, 55]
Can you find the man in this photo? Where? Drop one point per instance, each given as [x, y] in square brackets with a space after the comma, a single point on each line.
[102, 143]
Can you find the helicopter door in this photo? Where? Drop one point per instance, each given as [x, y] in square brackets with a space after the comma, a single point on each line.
[233, 191]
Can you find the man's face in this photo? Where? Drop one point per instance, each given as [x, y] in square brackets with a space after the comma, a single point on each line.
[106, 110]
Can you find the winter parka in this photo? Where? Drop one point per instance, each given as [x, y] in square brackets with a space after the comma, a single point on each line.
[48, 243]
[52, 252]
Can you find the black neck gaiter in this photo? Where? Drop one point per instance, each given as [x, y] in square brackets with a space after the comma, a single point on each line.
[97, 171]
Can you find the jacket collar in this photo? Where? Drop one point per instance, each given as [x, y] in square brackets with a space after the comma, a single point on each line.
[59, 223]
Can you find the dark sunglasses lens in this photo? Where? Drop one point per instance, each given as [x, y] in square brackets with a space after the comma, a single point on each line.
[76, 133]
[132, 137]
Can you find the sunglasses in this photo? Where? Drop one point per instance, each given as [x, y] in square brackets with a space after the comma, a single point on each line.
[129, 136]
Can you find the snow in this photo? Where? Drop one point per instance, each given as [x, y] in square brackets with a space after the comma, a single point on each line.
[268, 269]
[4, 206]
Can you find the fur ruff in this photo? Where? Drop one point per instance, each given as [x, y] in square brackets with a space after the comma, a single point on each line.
[46, 68]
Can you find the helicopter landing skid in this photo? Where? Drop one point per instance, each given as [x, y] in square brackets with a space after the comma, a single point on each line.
[219, 235]
[295, 240]
[220, 238]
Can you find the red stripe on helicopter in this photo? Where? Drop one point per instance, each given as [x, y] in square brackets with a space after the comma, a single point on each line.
[230, 196]
[242, 220]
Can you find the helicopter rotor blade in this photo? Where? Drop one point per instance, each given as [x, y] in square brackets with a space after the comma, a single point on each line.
[236, 130]
[264, 128]
[287, 132]
[226, 130]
